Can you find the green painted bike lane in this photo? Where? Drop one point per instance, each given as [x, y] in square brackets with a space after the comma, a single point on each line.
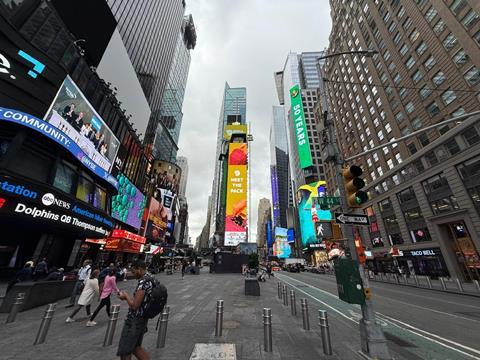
[423, 344]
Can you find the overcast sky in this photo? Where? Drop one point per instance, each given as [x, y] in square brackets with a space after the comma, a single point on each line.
[242, 42]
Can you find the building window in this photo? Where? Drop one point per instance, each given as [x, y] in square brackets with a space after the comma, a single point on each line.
[413, 214]
[403, 92]
[439, 27]
[433, 109]
[417, 76]
[414, 35]
[444, 205]
[397, 38]
[460, 57]
[425, 92]
[476, 37]
[457, 6]
[450, 41]
[419, 235]
[398, 157]
[390, 164]
[431, 158]
[401, 12]
[410, 108]
[470, 169]
[416, 123]
[470, 19]
[448, 97]
[399, 117]
[452, 147]
[472, 76]
[435, 183]
[397, 79]
[458, 112]
[429, 63]
[407, 23]
[410, 62]
[404, 49]
[421, 48]
[64, 177]
[412, 148]
[439, 78]
[431, 13]
[471, 136]
[85, 189]
[423, 138]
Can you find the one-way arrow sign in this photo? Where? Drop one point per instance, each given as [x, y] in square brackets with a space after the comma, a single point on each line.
[352, 219]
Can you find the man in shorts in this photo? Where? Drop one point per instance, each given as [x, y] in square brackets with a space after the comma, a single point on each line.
[135, 324]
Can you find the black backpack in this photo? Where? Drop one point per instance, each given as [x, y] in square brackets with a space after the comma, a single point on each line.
[157, 300]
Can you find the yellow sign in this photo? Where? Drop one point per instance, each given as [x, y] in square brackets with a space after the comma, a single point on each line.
[234, 129]
[236, 220]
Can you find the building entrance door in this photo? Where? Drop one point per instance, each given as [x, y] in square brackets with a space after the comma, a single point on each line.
[465, 250]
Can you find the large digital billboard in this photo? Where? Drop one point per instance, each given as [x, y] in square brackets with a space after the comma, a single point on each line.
[300, 127]
[71, 113]
[281, 247]
[236, 221]
[129, 203]
[156, 221]
[308, 212]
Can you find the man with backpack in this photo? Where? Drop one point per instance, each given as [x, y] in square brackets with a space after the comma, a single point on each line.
[148, 301]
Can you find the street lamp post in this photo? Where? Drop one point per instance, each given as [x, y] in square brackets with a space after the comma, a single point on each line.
[372, 339]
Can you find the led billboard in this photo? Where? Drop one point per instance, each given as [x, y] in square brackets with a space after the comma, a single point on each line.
[129, 203]
[157, 220]
[281, 247]
[308, 210]
[236, 220]
[300, 128]
[71, 113]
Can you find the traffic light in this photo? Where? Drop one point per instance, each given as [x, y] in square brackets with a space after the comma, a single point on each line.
[362, 258]
[353, 184]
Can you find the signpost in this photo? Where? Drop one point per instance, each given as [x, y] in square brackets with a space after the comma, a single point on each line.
[351, 219]
[328, 200]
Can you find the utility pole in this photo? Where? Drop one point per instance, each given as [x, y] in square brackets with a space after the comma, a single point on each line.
[372, 339]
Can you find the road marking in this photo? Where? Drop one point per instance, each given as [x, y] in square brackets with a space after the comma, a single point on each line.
[410, 328]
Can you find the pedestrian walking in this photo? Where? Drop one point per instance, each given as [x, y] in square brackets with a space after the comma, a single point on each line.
[107, 288]
[41, 270]
[184, 267]
[269, 270]
[90, 290]
[83, 275]
[136, 324]
[25, 274]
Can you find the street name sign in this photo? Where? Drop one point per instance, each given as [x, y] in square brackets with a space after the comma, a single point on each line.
[328, 200]
[351, 219]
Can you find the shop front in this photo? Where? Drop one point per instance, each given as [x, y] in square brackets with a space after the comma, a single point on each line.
[40, 221]
[125, 245]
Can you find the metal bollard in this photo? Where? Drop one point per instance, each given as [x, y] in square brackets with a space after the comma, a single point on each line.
[284, 295]
[325, 332]
[219, 320]
[15, 308]
[442, 281]
[112, 324]
[305, 318]
[293, 304]
[415, 277]
[459, 285]
[162, 330]
[477, 284]
[429, 282]
[279, 286]
[267, 329]
[45, 324]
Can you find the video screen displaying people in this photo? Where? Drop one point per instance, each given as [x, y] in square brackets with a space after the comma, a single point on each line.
[72, 113]
[166, 176]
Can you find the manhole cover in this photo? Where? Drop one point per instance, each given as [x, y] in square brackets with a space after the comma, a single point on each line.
[230, 324]
[214, 352]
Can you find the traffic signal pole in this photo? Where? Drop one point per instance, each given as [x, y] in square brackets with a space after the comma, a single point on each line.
[372, 339]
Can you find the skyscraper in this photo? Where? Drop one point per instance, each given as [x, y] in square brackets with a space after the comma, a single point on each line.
[279, 166]
[264, 215]
[182, 162]
[233, 111]
[166, 138]
[150, 32]
[426, 71]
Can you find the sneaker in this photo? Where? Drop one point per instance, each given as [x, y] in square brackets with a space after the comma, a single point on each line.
[91, 323]
[69, 320]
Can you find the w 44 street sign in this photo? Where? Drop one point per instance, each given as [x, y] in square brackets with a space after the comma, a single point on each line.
[328, 200]
[351, 219]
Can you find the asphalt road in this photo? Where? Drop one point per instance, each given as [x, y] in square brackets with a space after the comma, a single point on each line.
[419, 323]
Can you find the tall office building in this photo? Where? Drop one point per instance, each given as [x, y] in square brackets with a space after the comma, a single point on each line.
[167, 133]
[149, 30]
[182, 162]
[279, 166]
[300, 69]
[426, 71]
[264, 215]
[233, 111]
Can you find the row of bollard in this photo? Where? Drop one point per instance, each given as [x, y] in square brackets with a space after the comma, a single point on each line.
[322, 319]
[388, 277]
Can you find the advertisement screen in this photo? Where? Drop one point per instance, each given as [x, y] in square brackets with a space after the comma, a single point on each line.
[308, 212]
[156, 221]
[269, 233]
[291, 236]
[236, 220]
[129, 203]
[166, 175]
[71, 113]
[300, 126]
[281, 248]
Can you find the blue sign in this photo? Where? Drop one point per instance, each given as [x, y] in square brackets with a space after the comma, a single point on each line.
[291, 236]
[38, 67]
[44, 128]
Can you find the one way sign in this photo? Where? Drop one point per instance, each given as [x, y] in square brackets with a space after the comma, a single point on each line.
[352, 219]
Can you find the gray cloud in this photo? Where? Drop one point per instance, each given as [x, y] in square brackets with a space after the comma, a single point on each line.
[243, 43]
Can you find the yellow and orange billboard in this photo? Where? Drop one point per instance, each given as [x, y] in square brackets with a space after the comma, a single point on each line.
[236, 221]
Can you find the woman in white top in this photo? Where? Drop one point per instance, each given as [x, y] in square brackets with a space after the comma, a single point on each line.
[90, 290]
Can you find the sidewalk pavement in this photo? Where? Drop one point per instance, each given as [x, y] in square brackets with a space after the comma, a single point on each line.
[192, 320]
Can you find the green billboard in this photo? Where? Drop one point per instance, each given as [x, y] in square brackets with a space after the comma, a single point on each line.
[300, 128]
